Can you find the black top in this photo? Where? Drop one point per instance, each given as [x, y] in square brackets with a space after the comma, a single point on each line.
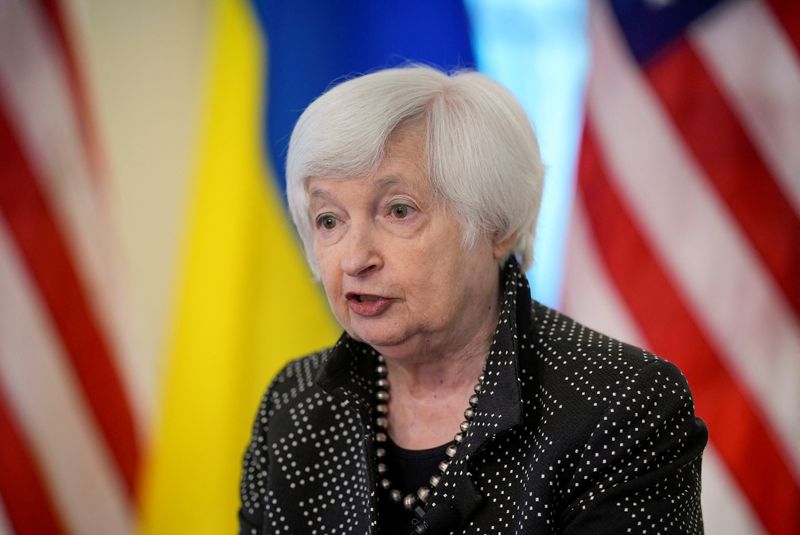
[574, 433]
[408, 471]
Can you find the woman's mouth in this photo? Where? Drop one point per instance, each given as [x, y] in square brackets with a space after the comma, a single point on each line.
[367, 305]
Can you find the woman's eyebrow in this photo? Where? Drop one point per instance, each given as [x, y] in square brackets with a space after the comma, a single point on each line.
[390, 180]
[317, 193]
[380, 184]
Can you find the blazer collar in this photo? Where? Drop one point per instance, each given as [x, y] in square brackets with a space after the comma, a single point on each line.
[348, 372]
[499, 408]
[499, 402]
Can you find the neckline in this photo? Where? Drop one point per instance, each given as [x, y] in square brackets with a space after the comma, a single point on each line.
[416, 455]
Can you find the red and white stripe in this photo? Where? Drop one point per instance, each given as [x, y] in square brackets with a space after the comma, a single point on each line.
[592, 294]
[760, 82]
[51, 411]
[687, 228]
[73, 401]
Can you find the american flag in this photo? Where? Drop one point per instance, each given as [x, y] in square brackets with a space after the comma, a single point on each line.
[685, 236]
[71, 412]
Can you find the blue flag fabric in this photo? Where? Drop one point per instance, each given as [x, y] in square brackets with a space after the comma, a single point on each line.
[314, 44]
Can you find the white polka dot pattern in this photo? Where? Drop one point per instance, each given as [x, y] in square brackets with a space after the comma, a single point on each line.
[574, 433]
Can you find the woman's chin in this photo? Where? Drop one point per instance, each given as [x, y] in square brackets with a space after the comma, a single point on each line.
[381, 342]
[387, 343]
[381, 330]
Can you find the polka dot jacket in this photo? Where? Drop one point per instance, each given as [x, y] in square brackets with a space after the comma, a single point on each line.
[574, 432]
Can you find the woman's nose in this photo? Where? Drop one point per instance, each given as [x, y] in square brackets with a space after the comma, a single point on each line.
[361, 254]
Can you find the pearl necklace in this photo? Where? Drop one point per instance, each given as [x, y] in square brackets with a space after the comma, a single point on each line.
[411, 502]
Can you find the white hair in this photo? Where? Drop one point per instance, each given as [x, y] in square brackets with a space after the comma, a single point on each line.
[482, 156]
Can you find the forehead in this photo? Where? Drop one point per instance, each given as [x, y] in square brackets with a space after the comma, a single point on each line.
[403, 168]
[321, 188]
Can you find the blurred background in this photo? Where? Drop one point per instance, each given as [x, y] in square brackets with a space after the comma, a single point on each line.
[151, 283]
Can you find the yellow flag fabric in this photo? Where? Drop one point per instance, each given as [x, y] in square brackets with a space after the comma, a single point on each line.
[246, 301]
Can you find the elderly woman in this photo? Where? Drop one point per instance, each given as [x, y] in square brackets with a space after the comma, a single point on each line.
[453, 402]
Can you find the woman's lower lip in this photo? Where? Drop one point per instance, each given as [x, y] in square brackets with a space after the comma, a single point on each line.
[369, 308]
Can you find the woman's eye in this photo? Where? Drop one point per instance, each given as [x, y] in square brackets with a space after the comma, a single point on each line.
[326, 221]
[401, 211]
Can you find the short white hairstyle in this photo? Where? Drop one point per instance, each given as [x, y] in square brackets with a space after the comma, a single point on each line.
[482, 156]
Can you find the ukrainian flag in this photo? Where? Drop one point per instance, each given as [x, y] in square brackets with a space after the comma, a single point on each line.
[246, 302]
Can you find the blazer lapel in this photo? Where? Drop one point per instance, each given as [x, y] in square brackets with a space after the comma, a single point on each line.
[347, 375]
[499, 409]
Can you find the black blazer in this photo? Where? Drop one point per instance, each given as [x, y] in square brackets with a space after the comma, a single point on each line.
[574, 432]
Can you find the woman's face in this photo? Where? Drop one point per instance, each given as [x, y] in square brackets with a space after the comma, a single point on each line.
[391, 260]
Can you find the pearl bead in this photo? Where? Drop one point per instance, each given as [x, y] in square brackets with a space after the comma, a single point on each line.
[423, 493]
[412, 501]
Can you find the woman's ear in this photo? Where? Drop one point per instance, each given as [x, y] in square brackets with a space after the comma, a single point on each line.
[502, 247]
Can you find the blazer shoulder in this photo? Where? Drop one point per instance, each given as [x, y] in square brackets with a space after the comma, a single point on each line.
[297, 376]
[593, 364]
[300, 371]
